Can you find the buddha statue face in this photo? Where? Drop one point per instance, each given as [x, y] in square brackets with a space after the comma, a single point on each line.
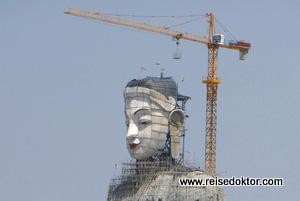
[147, 113]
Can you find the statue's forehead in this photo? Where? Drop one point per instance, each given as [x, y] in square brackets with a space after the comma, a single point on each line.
[145, 94]
[136, 103]
[136, 92]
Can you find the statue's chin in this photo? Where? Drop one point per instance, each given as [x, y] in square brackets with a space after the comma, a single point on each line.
[135, 154]
[138, 156]
[138, 151]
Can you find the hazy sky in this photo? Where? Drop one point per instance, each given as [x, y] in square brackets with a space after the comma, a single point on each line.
[62, 125]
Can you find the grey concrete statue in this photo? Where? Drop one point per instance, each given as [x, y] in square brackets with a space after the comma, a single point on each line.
[150, 115]
[154, 128]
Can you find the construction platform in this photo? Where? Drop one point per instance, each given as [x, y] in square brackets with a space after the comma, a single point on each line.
[159, 181]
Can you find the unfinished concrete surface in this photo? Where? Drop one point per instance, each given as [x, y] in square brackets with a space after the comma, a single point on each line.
[159, 181]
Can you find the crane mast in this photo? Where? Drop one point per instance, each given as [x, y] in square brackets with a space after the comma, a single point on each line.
[212, 81]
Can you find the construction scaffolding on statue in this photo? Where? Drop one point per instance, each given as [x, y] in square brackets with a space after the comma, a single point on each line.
[159, 180]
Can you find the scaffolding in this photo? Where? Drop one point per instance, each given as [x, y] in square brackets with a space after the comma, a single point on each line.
[159, 180]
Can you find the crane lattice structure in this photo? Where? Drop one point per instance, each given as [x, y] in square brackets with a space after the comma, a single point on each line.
[214, 42]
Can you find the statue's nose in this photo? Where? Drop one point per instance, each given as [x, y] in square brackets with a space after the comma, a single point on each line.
[132, 131]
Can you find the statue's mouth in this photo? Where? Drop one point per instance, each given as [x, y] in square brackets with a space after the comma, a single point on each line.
[133, 145]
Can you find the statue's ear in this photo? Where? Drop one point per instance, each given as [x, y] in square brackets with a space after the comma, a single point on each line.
[176, 123]
[177, 117]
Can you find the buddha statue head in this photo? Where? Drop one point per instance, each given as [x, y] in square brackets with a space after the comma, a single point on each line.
[152, 116]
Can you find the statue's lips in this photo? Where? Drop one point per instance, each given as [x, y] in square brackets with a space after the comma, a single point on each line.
[133, 145]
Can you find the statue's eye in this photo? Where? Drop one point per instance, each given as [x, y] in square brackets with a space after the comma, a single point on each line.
[145, 121]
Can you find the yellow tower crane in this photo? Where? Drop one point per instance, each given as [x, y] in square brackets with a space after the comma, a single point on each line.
[214, 42]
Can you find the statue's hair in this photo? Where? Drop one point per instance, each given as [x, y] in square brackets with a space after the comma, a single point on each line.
[166, 86]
